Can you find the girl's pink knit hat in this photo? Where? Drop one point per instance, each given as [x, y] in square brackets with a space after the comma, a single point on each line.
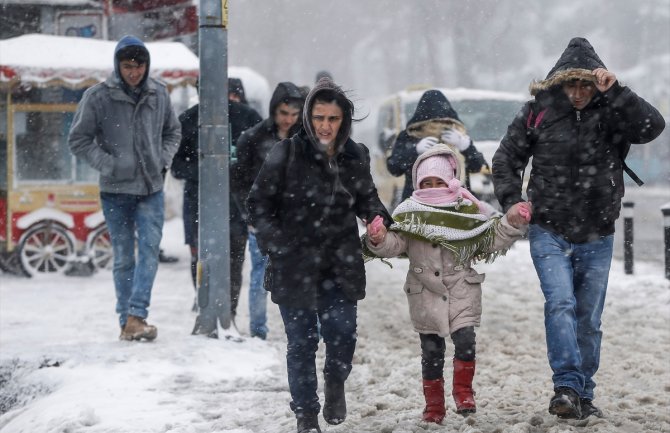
[442, 166]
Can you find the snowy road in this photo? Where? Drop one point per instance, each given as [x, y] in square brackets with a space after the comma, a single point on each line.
[90, 382]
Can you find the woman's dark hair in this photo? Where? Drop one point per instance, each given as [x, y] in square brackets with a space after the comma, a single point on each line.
[327, 96]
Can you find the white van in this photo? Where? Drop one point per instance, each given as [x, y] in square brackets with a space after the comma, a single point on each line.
[485, 114]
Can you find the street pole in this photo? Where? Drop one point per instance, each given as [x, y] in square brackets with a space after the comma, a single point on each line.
[628, 236]
[666, 227]
[213, 140]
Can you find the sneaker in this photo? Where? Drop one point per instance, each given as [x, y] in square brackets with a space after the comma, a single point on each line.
[565, 403]
[589, 409]
[137, 328]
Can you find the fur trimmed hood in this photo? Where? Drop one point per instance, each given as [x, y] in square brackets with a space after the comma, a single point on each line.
[433, 115]
[576, 63]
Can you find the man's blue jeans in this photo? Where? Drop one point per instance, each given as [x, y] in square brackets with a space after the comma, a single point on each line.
[257, 293]
[126, 215]
[337, 316]
[573, 278]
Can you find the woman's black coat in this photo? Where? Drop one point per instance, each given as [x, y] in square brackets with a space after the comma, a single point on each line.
[304, 212]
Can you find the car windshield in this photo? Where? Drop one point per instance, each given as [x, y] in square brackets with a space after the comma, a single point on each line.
[485, 119]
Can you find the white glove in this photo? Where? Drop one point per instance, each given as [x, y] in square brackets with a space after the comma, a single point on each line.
[461, 141]
[425, 144]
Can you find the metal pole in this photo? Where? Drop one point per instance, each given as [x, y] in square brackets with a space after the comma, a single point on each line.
[666, 224]
[628, 236]
[214, 207]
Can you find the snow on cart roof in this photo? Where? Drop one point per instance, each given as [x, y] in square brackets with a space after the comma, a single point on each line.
[49, 60]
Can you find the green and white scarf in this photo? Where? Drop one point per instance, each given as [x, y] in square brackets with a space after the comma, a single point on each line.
[459, 227]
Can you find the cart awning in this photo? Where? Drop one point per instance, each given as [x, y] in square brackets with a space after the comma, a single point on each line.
[73, 62]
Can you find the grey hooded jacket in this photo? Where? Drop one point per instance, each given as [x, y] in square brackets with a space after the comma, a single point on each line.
[130, 142]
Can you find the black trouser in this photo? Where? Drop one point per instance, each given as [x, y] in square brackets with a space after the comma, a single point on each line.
[433, 348]
[238, 240]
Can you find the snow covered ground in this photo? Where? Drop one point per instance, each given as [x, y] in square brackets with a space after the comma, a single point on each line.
[62, 368]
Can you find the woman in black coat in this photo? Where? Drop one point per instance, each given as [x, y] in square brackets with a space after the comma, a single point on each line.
[303, 206]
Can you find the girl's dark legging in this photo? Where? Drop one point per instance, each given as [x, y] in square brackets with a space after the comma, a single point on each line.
[433, 348]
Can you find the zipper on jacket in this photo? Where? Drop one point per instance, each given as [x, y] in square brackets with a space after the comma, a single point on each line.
[579, 116]
[612, 181]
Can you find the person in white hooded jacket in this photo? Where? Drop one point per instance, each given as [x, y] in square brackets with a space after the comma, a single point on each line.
[443, 229]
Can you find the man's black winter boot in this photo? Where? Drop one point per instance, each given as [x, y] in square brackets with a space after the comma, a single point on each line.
[565, 403]
[589, 409]
[335, 406]
[308, 423]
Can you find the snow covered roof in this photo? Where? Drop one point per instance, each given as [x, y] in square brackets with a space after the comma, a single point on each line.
[48, 60]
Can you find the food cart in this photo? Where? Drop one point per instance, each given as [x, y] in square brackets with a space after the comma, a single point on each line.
[50, 216]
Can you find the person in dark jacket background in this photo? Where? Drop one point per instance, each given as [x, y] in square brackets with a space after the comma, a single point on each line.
[252, 147]
[303, 206]
[433, 121]
[587, 121]
[236, 91]
[185, 167]
[126, 129]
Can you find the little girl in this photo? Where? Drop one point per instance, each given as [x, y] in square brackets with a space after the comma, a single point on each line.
[443, 228]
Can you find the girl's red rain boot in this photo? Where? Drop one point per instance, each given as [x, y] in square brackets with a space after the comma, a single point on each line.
[464, 396]
[433, 391]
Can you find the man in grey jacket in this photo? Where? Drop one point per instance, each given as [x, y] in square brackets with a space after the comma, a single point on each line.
[126, 129]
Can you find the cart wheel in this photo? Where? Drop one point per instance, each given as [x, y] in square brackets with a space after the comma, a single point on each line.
[100, 248]
[45, 248]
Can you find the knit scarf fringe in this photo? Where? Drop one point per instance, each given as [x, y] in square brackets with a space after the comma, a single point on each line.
[475, 246]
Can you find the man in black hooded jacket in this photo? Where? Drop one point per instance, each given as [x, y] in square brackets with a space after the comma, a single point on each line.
[185, 167]
[577, 130]
[252, 148]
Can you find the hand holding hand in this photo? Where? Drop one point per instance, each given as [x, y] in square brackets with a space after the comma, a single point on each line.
[604, 79]
[458, 139]
[520, 214]
[376, 230]
[425, 144]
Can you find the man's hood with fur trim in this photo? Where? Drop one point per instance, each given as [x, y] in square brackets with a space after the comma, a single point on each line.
[577, 62]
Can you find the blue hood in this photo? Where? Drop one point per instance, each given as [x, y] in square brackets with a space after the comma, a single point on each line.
[130, 41]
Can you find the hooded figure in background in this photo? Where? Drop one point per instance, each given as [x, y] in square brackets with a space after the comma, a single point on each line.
[186, 167]
[303, 206]
[434, 121]
[236, 91]
[252, 148]
[126, 129]
[577, 130]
